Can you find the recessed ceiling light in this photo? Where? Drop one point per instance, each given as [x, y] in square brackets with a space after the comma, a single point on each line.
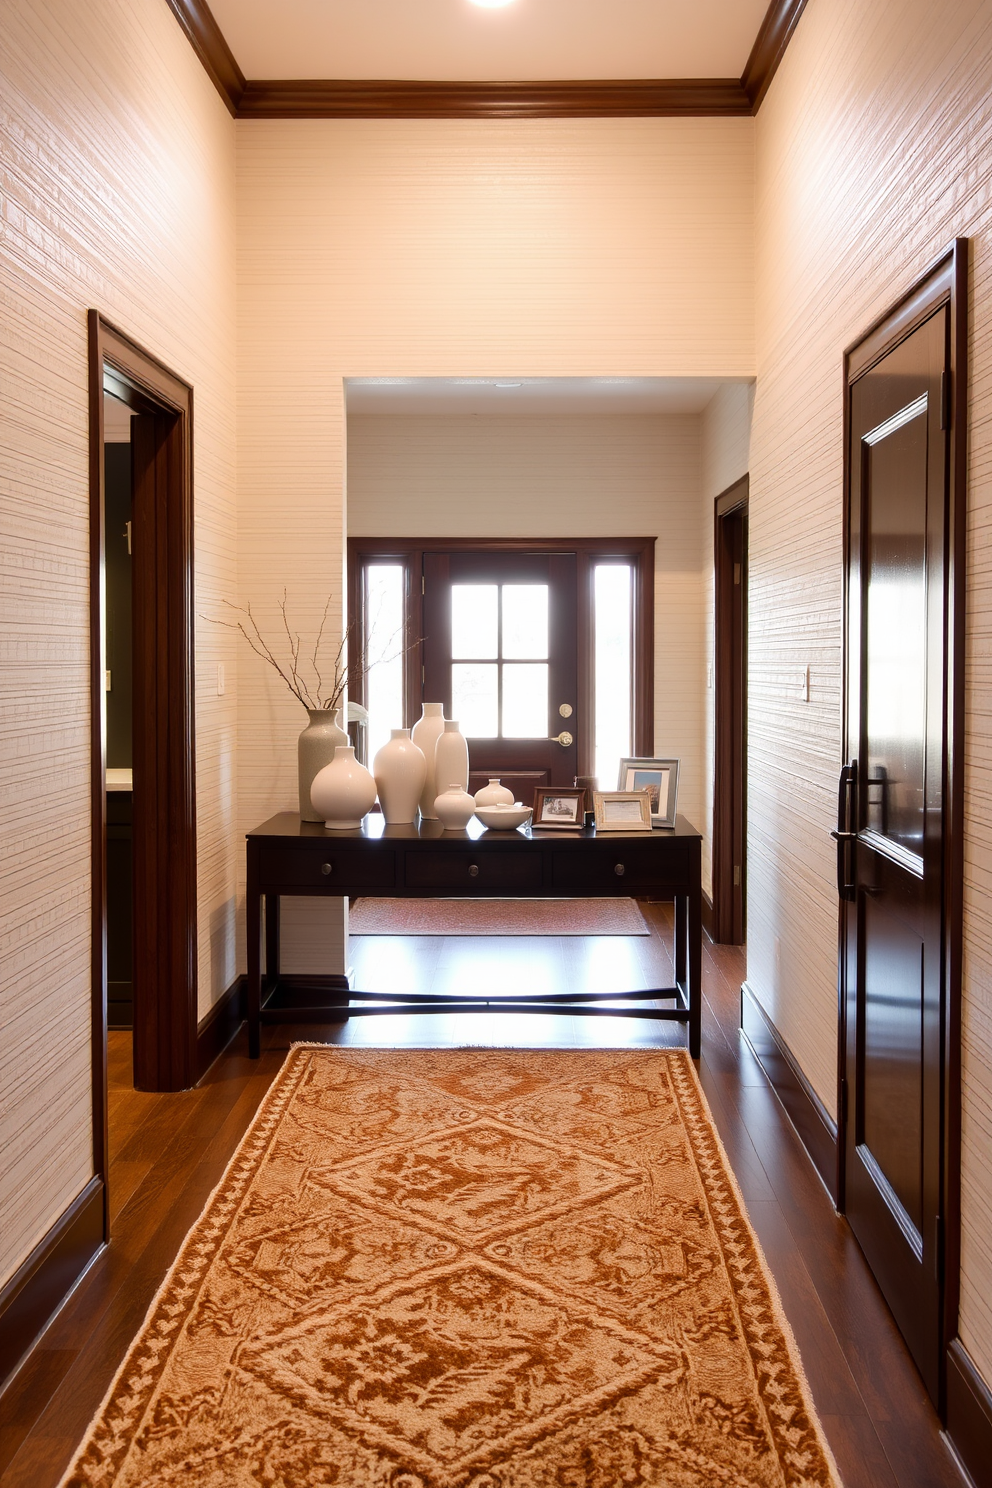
[492, 4]
[507, 384]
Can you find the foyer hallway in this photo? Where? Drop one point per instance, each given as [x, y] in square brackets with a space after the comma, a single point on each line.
[168, 1152]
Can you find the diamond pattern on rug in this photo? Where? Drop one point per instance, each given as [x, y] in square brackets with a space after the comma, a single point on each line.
[467, 1269]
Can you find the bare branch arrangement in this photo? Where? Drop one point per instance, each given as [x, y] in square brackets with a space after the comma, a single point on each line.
[302, 672]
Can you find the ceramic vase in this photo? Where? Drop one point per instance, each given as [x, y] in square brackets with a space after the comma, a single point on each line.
[451, 758]
[400, 771]
[343, 791]
[494, 794]
[425, 735]
[316, 747]
[455, 808]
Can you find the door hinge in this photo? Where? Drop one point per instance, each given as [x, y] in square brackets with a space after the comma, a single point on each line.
[423, 583]
[737, 875]
[423, 675]
[737, 573]
[945, 399]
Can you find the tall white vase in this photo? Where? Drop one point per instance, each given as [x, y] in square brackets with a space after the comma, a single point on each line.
[343, 791]
[425, 735]
[400, 771]
[451, 758]
[316, 747]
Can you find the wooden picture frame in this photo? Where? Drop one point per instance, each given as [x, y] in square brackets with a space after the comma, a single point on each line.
[622, 811]
[660, 777]
[559, 808]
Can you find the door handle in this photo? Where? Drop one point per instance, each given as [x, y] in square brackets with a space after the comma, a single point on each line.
[564, 739]
[844, 837]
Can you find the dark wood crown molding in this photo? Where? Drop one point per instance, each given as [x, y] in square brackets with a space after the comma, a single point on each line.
[209, 44]
[774, 35]
[618, 98]
[400, 99]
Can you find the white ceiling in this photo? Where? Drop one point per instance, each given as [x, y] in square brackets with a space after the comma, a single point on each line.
[529, 397]
[525, 41]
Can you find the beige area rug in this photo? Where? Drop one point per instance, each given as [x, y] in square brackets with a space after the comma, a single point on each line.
[467, 1269]
[496, 917]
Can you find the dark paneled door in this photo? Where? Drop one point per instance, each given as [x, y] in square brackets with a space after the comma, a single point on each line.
[500, 652]
[891, 831]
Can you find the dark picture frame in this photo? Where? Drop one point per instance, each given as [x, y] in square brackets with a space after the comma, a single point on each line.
[559, 808]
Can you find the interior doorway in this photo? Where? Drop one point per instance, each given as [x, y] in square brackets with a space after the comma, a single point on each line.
[900, 805]
[141, 665]
[730, 716]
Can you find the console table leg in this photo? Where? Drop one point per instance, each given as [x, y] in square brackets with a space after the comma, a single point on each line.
[253, 917]
[272, 938]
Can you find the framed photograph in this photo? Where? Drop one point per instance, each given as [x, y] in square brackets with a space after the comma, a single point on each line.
[561, 807]
[660, 778]
[622, 811]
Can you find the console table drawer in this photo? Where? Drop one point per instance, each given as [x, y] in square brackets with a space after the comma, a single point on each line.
[471, 872]
[625, 867]
[324, 866]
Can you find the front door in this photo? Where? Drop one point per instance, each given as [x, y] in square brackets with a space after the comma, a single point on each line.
[893, 821]
[500, 652]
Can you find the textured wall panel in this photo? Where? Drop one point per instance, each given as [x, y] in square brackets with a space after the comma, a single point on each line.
[446, 248]
[558, 477]
[874, 149]
[116, 191]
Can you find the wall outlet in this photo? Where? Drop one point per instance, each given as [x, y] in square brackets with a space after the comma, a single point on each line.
[221, 684]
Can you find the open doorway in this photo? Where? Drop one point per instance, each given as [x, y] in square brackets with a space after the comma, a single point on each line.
[141, 671]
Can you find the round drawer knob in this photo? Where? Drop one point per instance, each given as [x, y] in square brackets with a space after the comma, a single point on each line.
[326, 868]
[473, 870]
[619, 870]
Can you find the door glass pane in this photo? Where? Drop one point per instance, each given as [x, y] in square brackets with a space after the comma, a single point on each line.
[612, 660]
[384, 633]
[525, 701]
[525, 620]
[475, 699]
[474, 621]
[896, 620]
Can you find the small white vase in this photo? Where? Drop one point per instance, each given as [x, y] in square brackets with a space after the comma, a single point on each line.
[425, 735]
[455, 808]
[494, 794]
[343, 791]
[400, 771]
[451, 757]
[315, 749]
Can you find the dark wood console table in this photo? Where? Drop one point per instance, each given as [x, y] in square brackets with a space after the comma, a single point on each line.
[287, 856]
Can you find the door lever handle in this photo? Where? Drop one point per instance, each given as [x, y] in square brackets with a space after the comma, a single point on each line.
[842, 834]
[564, 739]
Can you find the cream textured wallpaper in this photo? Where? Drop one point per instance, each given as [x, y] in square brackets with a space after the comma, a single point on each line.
[588, 476]
[726, 454]
[116, 191]
[874, 150]
[442, 248]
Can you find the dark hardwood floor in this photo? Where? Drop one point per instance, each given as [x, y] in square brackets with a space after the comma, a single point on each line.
[168, 1152]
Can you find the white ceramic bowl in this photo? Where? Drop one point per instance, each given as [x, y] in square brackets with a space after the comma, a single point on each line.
[504, 818]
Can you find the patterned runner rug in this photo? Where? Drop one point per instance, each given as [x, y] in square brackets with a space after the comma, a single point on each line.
[496, 917]
[467, 1269]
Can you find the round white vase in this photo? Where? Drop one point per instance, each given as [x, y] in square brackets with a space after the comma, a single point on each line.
[400, 771]
[455, 808]
[494, 794]
[451, 757]
[425, 735]
[315, 749]
[343, 791]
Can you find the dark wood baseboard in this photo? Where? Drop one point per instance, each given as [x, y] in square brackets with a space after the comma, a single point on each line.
[969, 1414]
[216, 1030]
[38, 1288]
[708, 916]
[816, 1127]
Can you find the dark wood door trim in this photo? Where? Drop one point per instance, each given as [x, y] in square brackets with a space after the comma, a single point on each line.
[164, 797]
[945, 282]
[409, 551]
[730, 713]
[402, 98]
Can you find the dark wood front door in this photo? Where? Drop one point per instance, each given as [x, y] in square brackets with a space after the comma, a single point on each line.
[500, 652]
[894, 817]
